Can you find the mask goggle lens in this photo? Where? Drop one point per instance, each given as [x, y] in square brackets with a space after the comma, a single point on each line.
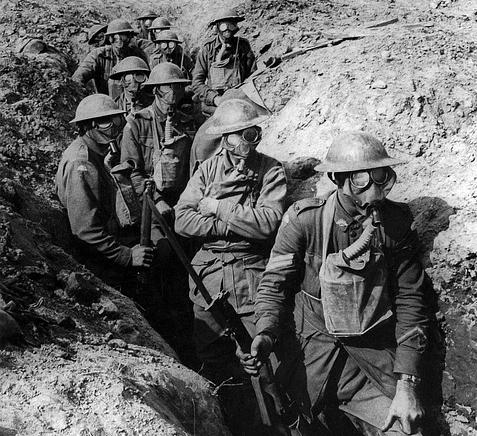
[147, 22]
[120, 37]
[137, 77]
[168, 44]
[225, 25]
[103, 124]
[362, 179]
[252, 134]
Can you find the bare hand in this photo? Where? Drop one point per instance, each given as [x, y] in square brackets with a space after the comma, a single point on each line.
[217, 100]
[208, 206]
[164, 209]
[110, 161]
[141, 256]
[259, 351]
[405, 407]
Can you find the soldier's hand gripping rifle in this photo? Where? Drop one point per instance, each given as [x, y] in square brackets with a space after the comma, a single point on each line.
[276, 414]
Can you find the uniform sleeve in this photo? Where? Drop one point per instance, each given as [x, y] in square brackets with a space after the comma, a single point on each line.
[86, 69]
[131, 152]
[261, 220]
[283, 275]
[412, 312]
[83, 213]
[191, 223]
[199, 77]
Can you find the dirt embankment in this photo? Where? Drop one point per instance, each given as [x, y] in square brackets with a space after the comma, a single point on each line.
[411, 83]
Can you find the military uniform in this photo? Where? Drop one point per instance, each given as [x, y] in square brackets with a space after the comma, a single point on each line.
[355, 374]
[142, 138]
[145, 44]
[98, 65]
[204, 145]
[87, 191]
[131, 108]
[235, 243]
[211, 78]
[178, 57]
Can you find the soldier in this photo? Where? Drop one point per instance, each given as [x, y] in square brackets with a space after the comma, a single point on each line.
[96, 35]
[158, 25]
[145, 21]
[360, 294]
[132, 72]
[205, 145]
[225, 61]
[98, 64]
[87, 191]
[232, 205]
[157, 140]
[168, 49]
[156, 143]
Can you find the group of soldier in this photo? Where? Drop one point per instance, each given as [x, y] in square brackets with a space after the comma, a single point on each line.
[332, 289]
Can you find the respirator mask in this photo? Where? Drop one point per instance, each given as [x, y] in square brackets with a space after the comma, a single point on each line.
[244, 142]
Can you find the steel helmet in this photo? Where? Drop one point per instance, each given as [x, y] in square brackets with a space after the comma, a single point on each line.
[119, 26]
[94, 30]
[234, 115]
[226, 15]
[146, 15]
[355, 151]
[166, 73]
[160, 23]
[130, 64]
[166, 36]
[96, 106]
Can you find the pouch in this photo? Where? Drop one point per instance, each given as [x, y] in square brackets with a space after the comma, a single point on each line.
[355, 297]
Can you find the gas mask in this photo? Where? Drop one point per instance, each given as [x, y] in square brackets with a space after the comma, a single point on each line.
[226, 30]
[168, 47]
[367, 188]
[244, 142]
[120, 42]
[131, 84]
[146, 23]
[98, 40]
[106, 130]
[168, 96]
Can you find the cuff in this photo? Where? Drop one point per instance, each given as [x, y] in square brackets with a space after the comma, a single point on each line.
[268, 324]
[224, 210]
[124, 257]
[407, 361]
[219, 229]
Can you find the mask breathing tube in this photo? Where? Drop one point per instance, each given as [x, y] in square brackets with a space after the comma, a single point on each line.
[361, 245]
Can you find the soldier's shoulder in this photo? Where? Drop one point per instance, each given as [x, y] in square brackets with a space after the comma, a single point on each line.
[76, 157]
[143, 114]
[77, 150]
[244, 42]
[307, 204]
[104, 50]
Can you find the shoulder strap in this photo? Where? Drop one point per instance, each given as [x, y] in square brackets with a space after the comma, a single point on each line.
[327, 223]
[157, 133]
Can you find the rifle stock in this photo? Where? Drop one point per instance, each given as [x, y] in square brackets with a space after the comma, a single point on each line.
[146, 218]
[276, 416]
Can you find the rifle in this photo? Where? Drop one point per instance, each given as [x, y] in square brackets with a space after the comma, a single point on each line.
[275, 414]
[146, 218]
